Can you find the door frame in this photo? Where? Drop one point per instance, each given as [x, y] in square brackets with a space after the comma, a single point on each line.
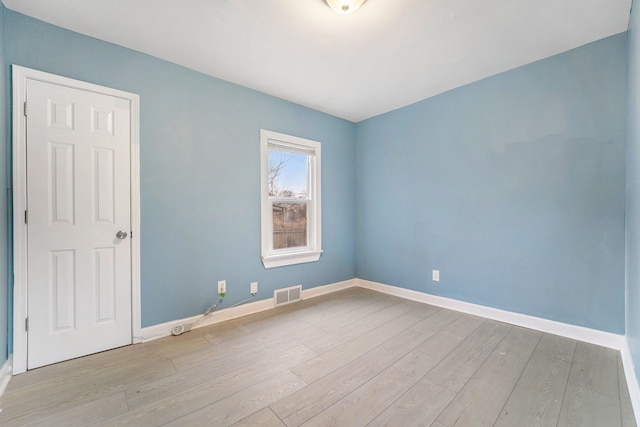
[20, 308]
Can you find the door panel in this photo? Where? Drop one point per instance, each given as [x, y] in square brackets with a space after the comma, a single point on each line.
[78, 198]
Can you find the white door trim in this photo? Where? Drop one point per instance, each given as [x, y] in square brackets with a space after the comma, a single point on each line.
[20, 309]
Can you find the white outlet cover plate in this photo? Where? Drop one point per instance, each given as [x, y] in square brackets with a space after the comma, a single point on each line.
[435, 275]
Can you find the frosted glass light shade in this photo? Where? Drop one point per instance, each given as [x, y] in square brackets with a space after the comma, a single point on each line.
[345, 7]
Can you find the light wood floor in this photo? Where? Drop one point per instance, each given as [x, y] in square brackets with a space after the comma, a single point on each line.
[352, 358]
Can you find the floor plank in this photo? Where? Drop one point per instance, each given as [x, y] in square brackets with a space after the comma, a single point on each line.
[238, 406]
[80, 415]
[260, 368]
[457, 368]
[419, 406]
[366, 402]
[537, 398]
[319, 395]
[332, 360]
[585, 407]
[34, 403]
[262, 418]
[595, 368]
[474, 405]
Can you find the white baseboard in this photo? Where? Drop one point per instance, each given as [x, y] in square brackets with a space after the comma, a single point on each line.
[632, 380]
[164, 329]
[327, 289]
[593, 336]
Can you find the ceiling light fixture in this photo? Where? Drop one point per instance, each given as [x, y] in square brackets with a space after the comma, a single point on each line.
[344, 7]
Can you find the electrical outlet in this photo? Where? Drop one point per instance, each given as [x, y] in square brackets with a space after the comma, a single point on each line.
[253, 288]
[435, 275]
[222, 286]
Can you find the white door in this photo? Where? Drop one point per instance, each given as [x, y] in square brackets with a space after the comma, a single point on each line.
[78, 222]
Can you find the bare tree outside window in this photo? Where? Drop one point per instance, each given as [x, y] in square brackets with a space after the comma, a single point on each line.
[275, 169]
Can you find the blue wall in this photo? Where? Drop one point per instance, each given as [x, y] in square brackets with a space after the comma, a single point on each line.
[4, 176]
[633, 191]
[200, 171]
[513, 187]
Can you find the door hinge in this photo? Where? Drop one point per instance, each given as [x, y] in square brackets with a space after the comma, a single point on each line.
[26, 324]
[25, 108]
[26, 217]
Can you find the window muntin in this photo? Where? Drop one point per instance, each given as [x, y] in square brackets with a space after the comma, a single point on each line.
[290, 176]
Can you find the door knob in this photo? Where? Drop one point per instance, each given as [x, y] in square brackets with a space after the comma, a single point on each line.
[121, 234]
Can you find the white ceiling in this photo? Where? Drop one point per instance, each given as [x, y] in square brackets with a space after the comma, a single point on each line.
[388, 54]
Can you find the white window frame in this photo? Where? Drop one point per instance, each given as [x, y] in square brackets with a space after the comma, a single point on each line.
[289, 256]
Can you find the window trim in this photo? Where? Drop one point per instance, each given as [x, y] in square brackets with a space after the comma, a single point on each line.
[281, 257]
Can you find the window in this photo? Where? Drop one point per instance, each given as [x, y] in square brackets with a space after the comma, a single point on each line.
[290, 191]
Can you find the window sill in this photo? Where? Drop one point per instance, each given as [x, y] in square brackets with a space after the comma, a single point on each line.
[281, 260]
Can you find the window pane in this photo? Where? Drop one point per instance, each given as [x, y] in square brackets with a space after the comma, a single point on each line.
[287, 175]
[289, 225]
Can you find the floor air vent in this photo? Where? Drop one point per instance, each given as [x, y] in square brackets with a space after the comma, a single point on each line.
[287, 295]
